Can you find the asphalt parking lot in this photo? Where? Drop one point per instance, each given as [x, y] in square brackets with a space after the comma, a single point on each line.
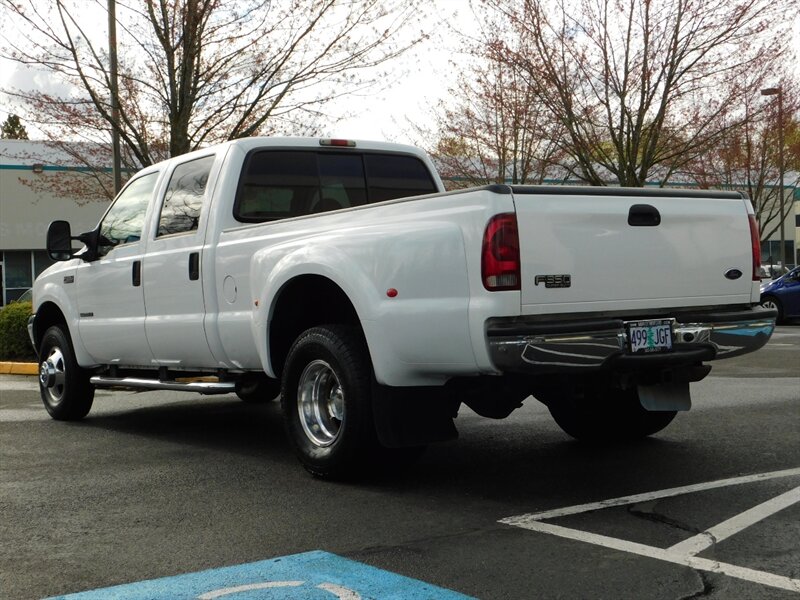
[203, 496]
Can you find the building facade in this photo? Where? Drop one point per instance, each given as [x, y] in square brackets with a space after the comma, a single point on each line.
[27, 206]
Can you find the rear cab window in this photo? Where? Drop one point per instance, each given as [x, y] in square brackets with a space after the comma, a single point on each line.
[279, 184]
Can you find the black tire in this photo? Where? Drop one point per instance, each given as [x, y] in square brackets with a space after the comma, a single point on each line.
[258, 390]
[607, 415]
[327, 401]
[773, 302]
[64, 386]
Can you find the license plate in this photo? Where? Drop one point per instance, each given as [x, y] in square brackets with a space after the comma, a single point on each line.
[649, 336]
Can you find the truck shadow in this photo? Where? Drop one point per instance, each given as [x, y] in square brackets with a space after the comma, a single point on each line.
[221, 423]
[521, 458]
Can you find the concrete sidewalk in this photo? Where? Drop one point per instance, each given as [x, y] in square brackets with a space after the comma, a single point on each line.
[19, 368]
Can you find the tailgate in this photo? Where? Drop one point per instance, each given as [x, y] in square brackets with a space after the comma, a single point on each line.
[625, 250]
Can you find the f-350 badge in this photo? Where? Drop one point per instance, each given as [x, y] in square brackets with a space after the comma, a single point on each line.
[554, 281]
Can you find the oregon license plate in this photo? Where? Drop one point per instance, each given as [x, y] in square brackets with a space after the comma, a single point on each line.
[649, 336]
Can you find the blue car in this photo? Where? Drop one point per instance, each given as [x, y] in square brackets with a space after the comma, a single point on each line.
[783, 294]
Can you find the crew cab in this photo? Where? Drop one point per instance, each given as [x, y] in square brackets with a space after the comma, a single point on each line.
[340, 276]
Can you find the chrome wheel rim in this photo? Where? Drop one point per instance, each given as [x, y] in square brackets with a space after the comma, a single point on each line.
[52, 376]
[320, 403]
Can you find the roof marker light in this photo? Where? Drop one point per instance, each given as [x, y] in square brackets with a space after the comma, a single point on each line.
[336, 142]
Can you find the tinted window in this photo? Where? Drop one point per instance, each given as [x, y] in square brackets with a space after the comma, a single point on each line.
[395, 176]
[341, 182]
[41, 260]
[18, 269]
[183, 199]
[124, 220]
[277, 184]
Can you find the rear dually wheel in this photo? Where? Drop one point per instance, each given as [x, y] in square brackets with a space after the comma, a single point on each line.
[606, 415]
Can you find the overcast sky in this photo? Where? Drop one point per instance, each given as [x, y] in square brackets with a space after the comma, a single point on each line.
[421, 79]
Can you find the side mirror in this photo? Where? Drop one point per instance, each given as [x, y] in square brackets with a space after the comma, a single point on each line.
[59, 240]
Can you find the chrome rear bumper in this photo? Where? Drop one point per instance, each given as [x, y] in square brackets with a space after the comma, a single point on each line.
[533, 348]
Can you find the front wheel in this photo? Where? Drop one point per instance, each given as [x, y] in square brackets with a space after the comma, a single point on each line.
[66, 391]
[607, 416]
[327, 401]
[773, 303]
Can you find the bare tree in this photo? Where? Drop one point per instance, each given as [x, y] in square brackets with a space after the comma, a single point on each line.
[194, 72]
[747, 159]
[492, 128]
[642, 87]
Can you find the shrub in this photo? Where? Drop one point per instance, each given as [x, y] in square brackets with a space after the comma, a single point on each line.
[15, 345]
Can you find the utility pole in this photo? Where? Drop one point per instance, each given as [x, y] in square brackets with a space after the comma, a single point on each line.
[112, 56]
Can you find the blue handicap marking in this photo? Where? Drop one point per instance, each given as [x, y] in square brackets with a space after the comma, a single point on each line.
[309, 576]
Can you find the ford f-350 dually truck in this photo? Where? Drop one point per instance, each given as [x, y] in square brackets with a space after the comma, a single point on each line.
[340, 276]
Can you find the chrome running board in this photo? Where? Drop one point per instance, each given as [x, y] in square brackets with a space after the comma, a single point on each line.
[198, 387]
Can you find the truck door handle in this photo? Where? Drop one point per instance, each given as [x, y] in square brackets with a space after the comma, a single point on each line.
[194, 266]
[136, 275]
[644, 215]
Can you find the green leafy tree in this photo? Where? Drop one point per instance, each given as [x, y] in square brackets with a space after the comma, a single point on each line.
[13, 129]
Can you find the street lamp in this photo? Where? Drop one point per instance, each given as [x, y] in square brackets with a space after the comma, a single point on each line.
[778, 91]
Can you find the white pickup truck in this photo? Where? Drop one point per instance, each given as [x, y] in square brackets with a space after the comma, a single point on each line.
[340, 276]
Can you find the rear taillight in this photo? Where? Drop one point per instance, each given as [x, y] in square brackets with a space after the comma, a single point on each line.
[755, 242]
[500, 268]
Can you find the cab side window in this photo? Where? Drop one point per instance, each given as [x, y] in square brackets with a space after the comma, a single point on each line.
[183, 200]
[123, 222]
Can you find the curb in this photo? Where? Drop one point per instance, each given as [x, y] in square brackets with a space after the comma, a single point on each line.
[18, 368]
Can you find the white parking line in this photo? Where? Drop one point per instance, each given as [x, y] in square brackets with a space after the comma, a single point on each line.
[521, 520]
[685, 552]
[694, 562]
[706, 539]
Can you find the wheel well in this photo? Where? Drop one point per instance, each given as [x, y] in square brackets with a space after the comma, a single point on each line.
[302, 303]
[48, 315]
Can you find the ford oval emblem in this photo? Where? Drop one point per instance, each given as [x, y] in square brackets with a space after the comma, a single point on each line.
[733, 273]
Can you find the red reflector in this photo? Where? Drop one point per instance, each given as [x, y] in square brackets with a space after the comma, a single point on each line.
[500, 264]
[342, 143]
[755, 241]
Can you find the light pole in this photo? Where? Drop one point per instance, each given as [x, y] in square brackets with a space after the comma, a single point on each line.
[778, 91]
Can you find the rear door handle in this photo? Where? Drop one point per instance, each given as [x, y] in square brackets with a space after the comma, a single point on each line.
[644, 215]
[136, 275]
[194, 266]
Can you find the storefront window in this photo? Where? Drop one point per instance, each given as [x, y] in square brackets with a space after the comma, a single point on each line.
[41, 260]
[18, 270]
